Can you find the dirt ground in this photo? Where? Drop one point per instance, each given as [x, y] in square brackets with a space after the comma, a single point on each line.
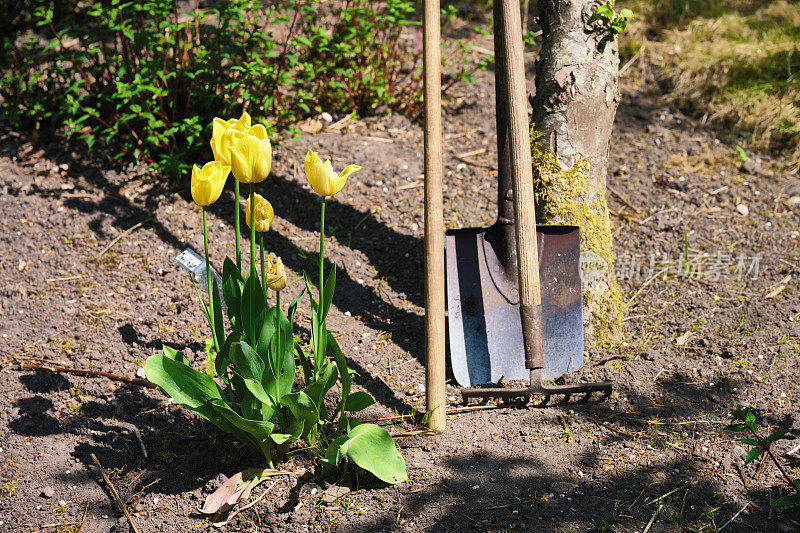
[708, 254]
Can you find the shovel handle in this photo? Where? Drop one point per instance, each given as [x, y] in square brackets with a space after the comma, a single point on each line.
[434, 221]
[510, 28]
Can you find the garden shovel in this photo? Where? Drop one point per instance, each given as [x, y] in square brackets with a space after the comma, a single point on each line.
[514, 289]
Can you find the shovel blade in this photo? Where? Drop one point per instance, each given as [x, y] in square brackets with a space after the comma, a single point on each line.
[485, 331]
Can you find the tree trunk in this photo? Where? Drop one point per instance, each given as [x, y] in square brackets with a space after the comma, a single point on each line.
[573, 115]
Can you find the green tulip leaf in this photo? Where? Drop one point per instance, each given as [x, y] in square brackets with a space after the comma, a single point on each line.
[253, 309]
[333, 455]
[250, 405]
[371, 447]
[175, 355]
[303, 410]
[258, 432]
[232, 286]
[293, 306]
[317, 389]
[304, 363]
[358, 401]
[246, 361]
[188, 387]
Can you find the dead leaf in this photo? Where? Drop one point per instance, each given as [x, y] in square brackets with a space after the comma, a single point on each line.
[683, 339]
[310, 125]
[333, 493]
[236, 489]
[244, 507]
[778, 288]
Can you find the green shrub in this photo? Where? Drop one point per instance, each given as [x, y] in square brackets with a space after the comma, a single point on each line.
[148, 78]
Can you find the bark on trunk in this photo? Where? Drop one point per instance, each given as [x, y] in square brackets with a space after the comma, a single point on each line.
[573, 115]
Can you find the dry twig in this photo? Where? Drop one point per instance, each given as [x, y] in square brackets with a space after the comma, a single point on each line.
[90, 373]
[114, 493]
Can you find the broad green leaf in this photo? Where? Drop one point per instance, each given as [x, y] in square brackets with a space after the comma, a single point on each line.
[753, 454]
[789, 499]
[278, 357]
[303, 410]
[253, 309]
[333, 455]
[317, 389]
[188, 387]
[223, 360]
[175, 355]
[358, 401]
[776, 435]
[751, 442]
[246, 361]
[251, 406]
[232, 286]
[258, 430]
[269, 405]
[372, 448]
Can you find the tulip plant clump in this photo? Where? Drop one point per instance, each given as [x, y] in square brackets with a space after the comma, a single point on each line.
[248, 389]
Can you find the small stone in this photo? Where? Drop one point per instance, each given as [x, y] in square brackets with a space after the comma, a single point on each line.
[48, 492]
[743, 209]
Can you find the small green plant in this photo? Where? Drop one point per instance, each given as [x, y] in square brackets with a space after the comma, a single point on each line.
[149, 76]
[741, 154]
[745, 420]
[608, 23]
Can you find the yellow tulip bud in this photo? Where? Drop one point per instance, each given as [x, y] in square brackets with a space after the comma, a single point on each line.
[264, 213]
[208, 182]
[251, 157]
[321, 176]
[276, 275]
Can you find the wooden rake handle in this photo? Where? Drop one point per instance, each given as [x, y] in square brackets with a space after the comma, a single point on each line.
[510, 28]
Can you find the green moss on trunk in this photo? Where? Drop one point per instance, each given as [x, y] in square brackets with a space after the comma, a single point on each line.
[566, 196]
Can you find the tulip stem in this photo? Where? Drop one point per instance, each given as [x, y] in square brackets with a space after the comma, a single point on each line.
[210, 296]
[236, 224]
[252, 230]
[321, 251]
[263, 268]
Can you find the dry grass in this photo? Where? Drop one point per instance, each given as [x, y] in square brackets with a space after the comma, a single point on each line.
[734, 62]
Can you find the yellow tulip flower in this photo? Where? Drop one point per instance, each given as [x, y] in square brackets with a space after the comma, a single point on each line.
[225, 133]
[321, 176]
[264, 213]
[251, 156]
[208, 182]
[276, 275]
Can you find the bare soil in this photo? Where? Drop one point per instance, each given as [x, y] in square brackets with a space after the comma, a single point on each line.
[702, 333]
